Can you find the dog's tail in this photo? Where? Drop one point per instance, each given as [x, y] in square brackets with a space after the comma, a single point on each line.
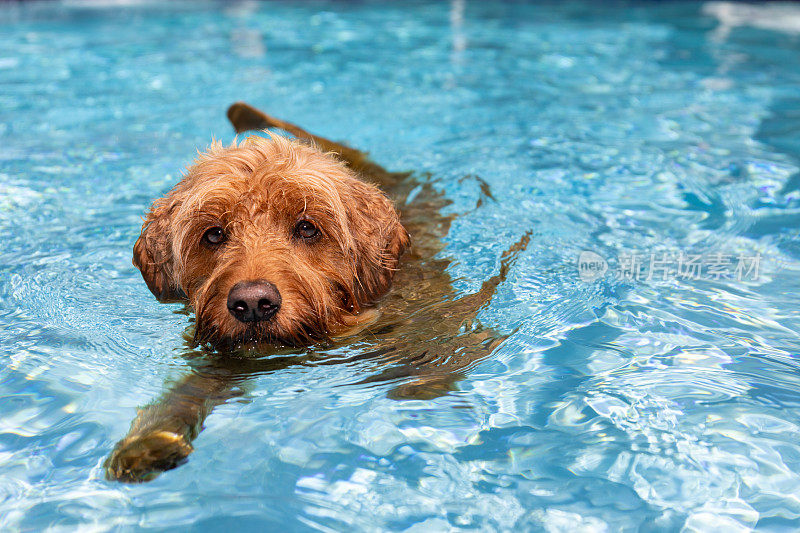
[245, 117]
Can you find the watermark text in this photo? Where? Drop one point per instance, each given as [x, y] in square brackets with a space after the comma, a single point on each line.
[664, 266]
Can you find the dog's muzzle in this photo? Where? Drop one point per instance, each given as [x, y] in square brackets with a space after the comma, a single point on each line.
[254, 301]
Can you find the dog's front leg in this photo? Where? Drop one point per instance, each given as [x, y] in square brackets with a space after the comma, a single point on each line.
[161, 435]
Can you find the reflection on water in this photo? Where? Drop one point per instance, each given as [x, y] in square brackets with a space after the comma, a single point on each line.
[614, 403]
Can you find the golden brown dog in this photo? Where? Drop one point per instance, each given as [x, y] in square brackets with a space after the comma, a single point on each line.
[271, 240]
[276, 242]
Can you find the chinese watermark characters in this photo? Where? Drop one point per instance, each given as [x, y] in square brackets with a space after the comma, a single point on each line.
[663, 266]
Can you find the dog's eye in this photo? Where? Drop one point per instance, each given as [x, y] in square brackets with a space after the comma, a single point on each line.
[214, 236]
[306, 230]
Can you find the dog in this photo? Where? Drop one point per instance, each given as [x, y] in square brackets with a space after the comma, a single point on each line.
[277, 244]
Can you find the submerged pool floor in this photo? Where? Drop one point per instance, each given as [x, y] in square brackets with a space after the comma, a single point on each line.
[650, 379]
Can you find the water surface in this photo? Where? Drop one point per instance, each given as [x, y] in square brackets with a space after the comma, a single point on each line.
[617, 403]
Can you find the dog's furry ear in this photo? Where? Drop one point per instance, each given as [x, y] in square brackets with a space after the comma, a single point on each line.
[380, 241]
[152, 253]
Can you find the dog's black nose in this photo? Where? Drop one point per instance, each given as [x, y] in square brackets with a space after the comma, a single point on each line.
[253, 301]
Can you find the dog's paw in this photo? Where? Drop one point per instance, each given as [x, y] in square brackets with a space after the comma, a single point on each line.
[142, 457]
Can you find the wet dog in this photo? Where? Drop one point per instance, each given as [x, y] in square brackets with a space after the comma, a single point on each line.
[274, 243]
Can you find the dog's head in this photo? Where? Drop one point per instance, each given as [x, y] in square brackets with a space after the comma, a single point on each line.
[270, 240]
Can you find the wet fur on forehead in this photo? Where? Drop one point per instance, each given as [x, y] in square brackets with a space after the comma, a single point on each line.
[274, 176]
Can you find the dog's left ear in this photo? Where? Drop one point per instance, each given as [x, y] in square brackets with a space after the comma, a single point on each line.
[380, 240]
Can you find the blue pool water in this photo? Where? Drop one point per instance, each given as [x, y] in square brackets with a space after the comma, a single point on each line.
[653, 402]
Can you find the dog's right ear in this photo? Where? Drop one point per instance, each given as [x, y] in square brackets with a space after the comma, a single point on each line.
[152, 253]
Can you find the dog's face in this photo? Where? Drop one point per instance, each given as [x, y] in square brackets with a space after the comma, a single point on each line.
[270, 241]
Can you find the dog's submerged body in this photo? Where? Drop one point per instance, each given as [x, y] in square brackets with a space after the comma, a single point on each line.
[274, 242]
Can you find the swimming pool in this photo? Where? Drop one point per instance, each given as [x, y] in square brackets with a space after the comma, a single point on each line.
[632, 140]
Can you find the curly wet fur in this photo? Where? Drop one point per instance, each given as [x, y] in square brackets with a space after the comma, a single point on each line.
[257, 191]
